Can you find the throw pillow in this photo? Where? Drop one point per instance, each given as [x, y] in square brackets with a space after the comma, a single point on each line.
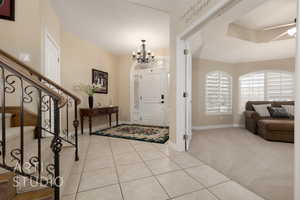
[278, 112]
[262, 109]
[290, 109]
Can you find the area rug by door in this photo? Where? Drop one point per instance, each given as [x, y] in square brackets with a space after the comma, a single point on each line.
[154, 134]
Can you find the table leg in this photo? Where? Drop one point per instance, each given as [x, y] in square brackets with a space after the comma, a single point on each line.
[81, 121]
[117, 117]
[90, 124]
[109, 115]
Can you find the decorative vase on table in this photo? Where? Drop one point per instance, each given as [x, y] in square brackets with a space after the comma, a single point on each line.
[91, 102]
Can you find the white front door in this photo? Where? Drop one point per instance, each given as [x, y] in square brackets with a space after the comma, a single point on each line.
[153, 92]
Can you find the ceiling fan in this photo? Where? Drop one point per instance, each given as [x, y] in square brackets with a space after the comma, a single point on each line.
[290, 32]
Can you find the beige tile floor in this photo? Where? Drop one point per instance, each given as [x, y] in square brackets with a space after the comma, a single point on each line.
[117, 169]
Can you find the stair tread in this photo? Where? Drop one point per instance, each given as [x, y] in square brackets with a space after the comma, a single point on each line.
[67, 160]
[35, 195]
[13, 133]
[67, 157]
[6, 176]
[7, 189]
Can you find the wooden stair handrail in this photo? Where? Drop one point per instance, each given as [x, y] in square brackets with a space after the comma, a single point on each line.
[13, 69]
[5, 57]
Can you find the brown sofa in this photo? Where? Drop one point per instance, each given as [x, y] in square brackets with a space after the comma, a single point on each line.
[272, 129]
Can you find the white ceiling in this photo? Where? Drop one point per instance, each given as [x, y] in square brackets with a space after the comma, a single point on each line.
[117, 25]
[218, 46]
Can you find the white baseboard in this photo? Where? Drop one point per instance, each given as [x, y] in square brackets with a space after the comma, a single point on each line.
[94, 128]
[176, 147]
[197, 128]
[125, 122]
[239, 125]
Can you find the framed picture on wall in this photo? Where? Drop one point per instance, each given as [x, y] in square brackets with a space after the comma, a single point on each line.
[100, 78]
[7, 9]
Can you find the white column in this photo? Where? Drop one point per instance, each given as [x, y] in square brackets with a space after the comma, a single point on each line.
[297, 116]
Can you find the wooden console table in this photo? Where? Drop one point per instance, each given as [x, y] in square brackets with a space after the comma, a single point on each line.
[90, 113]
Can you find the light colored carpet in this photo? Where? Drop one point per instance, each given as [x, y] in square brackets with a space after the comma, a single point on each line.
[263, 167]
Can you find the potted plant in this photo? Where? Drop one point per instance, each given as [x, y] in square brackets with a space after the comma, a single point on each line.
[90, 90]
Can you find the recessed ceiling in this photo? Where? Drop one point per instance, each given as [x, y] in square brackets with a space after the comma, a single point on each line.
[271, 13]
[160, 5]
[116, 25]
[217, 45]
[174, 6]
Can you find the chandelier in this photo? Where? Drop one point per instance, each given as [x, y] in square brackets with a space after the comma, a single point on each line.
[143, 56]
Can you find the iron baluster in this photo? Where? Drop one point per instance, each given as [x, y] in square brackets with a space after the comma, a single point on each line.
[76, 124]
[3, 142]
[22, 123]
[11, 89]
[50, 114]
[56, 148]
[39, 132]
[67, 116]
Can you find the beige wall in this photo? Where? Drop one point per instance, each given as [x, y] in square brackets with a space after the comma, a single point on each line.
[201, 67]
[78, 58]
[23, 35]
[26, 35]
[125, 64]
[50, 21]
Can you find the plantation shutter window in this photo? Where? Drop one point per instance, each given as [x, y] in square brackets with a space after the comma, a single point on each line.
[252, 88]
[280, 86]
[266, 86]
[218, 93]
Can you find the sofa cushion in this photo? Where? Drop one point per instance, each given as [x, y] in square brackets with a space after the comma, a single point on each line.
[278, 112]
[290, 109]
[262, 110]
[249, 104]
[277, 124]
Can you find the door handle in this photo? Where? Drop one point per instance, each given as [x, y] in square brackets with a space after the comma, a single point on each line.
[162, 102]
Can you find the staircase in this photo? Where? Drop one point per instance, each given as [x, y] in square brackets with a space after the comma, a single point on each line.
[38, 133]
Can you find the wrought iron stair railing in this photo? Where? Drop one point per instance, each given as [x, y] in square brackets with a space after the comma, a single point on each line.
[57, 118]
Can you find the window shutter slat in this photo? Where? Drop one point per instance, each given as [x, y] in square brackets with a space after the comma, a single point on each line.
[218, 93]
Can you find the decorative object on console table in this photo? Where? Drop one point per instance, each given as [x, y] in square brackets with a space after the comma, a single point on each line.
[90, 90]
[91, 102]
[7, 9]
[100, 79]
[90, 113]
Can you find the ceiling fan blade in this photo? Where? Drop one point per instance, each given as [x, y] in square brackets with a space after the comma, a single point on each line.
[279, 26]
[280, 36]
